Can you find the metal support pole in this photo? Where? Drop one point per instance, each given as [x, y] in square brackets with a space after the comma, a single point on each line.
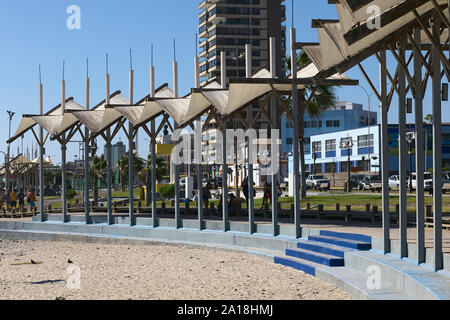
[41, 153]
[224, 178]
[402, 154]
[199, 154]
[153, 182]
[274, 120]
[130, 156]
[223, 76]
[250, 160]
[437, 150]
[420, 196]
[176, 167]
[108, 161]
[63, 179]
[86, 158]
[384, 154]
[295, 141]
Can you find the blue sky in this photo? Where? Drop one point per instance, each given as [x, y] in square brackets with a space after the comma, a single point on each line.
[35, 32]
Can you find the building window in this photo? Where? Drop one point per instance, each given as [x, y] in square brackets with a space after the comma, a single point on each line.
[317, 146]
[330, 145]
[365, 142]
[330, 167]
[337, 123]
[345, 141]
[329, 123]
[316, 124]
[307, 124]
[289, 141]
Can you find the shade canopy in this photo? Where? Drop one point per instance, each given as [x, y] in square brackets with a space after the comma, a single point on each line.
[101, 118]
[58, 124]
[28, 122]
[145, 111]
[349, 40]
[184, 110]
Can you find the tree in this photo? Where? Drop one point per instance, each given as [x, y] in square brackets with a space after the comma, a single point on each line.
[316, 99]
[138, 165]
[146, 173]
[98, 170]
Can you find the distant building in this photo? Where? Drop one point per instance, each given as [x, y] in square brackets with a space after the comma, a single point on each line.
[117, 151]
[332, 161]
[343, 116]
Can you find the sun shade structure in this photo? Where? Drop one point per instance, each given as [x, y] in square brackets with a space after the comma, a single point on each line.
[144, 111]
[184, 110]
[58, 124]
[351, 38]
[28, 122]
[242, 92]
[100, 118]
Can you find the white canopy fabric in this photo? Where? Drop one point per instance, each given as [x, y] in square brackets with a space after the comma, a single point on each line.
[57, 124]
[335, 49]
[100, 118]
[28, 122]
[186, 109]
[147, 111]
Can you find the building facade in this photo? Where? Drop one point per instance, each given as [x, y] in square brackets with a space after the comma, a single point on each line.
[343, 116]
[228, 25]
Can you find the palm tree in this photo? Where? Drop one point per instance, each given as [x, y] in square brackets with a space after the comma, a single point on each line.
[317, 98]
[146, 172]
[98, 170]
[138, 165]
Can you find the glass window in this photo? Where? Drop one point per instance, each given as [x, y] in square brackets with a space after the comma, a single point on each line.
[330, 145]
[329, 123]
[317, 146]
[337, 123]
[365, 142]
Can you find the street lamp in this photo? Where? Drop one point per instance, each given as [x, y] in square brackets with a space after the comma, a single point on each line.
[347, 144]
[369, 96]
[410, 136]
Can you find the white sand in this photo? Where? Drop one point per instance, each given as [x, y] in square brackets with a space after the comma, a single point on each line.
[149, 272]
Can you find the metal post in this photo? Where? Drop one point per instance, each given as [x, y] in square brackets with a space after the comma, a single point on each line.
[384, 155]
[402, 154]
[437, 150]
[63, 155]
[199, 154]
[153, 147]
[251, 198]
[223, 74]
[295, 133]
[274, 119]
[131, 155]
[418, 101]
[176, 167]
[108, 159]
[86, 157]
[41, 151]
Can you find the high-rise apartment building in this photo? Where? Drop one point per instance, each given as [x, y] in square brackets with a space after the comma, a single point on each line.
[228, 25]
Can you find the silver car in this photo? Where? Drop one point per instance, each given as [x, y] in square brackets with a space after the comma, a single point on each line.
[317, 181]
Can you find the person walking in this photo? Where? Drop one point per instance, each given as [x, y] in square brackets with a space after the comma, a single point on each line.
[206, 196]
[13, 200]
[2, 199]
[267, 194]
[8, 200]
[21, 199]
[31, 198]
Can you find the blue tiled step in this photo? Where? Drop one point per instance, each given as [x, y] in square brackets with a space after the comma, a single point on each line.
[317, 257]
[322, 247]
[299, 264]
[348, 236]
[357, 245]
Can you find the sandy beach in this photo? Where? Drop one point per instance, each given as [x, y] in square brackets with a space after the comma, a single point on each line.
[49, 270]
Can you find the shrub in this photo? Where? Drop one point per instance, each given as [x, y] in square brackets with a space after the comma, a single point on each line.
[70, 194]
[167, 191]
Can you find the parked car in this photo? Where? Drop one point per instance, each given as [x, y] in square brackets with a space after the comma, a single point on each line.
[445, 182]
[365, 183]
[394, 182]
[317, 181]
[355, 181]
[428, 181]
[376, 184]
